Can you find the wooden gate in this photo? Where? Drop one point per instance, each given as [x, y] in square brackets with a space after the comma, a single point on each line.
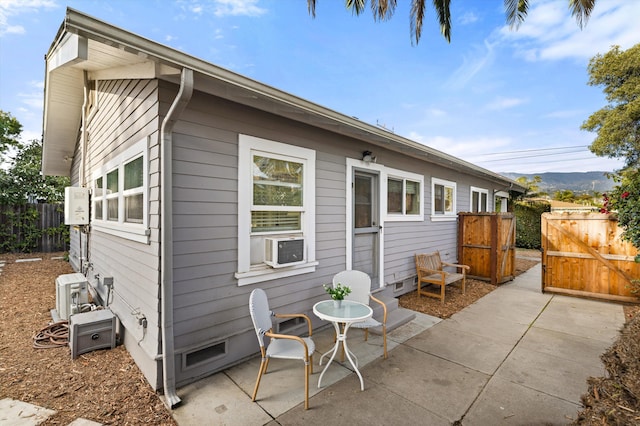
[486, 242]
[583, 255]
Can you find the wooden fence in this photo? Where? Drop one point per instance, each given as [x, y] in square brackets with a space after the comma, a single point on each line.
[486, 242]
[33, 228]
[583, 255]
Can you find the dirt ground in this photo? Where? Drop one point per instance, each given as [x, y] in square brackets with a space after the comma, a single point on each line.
[107, 387]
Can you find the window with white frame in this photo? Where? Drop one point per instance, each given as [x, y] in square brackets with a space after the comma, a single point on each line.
[276, 201]
[479, 200]
[120, 195]
[443, 199]
[404, 195]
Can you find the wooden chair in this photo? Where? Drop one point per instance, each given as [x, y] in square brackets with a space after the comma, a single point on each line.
[360, 284]
[281, 345]
[430, 269]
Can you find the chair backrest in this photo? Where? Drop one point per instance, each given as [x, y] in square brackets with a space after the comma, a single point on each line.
[358, 281]
[260, 313]
[429, 261]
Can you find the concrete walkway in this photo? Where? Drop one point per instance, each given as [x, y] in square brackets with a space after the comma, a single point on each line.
[515, 357]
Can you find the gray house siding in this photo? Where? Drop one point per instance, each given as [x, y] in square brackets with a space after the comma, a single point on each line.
[210, 309]
[226, 117]
[126, 112]
[212, 326]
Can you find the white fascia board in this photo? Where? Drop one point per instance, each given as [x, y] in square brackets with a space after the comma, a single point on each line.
[71, 50]
[142, 71]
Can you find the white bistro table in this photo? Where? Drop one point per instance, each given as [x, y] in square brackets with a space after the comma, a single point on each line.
[350, 312]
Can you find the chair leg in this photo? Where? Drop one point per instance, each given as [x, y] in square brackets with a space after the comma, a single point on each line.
[366, 334]
[442, 288]
[263, 368]
[463, 284]
[384, 339]
[306, 385]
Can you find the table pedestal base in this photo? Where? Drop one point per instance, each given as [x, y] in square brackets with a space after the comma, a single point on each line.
[341, 337]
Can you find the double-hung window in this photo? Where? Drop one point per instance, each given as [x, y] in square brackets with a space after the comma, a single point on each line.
[404, 195]
[278, 194]
[276, 201]
[479, 200]
[120, 195]
[443, 199]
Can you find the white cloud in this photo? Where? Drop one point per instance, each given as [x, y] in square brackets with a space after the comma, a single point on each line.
[33, 98]
[436, 112]
[505, 103]
[222, 8]
[237, 7]
[551, 33]
[468, 18]
[11, 8]
[472, 65]
[464, 148]
[565, 114]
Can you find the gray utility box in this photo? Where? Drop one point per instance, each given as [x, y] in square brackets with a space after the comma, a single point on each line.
[89, 331]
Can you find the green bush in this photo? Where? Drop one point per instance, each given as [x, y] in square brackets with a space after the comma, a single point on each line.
[528, 223]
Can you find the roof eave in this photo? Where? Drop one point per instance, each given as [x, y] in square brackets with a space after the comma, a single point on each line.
[268, 98]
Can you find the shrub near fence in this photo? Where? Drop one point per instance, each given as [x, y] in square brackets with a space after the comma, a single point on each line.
[528, 218]
[33, 228]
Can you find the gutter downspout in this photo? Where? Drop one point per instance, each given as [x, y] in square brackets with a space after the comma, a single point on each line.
[166, 237]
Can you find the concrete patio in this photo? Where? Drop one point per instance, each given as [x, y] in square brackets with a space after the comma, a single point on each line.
[514, 357]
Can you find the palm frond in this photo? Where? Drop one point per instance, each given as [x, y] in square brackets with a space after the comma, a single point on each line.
[516, 11]
[443, 11]
[356, 6]
[383, 9]
[581, 10]
[311, 6]
[417, 16]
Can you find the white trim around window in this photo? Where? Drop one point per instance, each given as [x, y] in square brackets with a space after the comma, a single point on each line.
[410, 205]
[298, 215]
[116, 222]
[443, 200]
[479, 201]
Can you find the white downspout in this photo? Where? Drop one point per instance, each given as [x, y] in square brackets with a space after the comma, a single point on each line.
[166, 236]
[85, 100]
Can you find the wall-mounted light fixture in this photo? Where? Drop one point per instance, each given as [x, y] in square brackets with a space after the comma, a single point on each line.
[367, 157]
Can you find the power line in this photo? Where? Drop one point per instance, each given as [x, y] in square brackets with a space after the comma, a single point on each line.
[531, 156]
[535, 150]
[546, 162]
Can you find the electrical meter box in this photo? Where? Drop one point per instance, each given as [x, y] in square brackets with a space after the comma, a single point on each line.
[90, 331]
[76, 205]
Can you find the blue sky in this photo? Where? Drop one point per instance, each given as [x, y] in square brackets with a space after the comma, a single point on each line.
[509, 101]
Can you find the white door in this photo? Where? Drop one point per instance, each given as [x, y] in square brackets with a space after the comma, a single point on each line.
[366, 224]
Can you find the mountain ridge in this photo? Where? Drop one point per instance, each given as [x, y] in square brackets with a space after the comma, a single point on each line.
[578, 182]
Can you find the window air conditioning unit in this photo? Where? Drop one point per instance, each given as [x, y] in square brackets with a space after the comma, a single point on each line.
[281, 252]
[72, 290]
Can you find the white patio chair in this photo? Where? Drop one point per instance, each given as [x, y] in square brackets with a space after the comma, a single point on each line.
[360, 285]
[280, 345]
